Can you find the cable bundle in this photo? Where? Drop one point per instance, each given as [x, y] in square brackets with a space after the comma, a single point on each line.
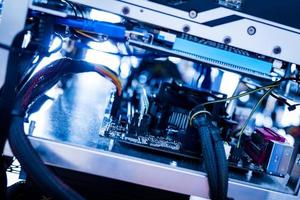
[21, 146]
[213, 154]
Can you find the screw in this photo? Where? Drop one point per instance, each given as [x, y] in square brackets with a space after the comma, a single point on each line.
[186, 28]
[125, 10]
[227, 40]
[277, 50]
[193, 14]
[251, 30]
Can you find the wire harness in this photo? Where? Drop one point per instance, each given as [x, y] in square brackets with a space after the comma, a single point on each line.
[213, 154]
[21, 146]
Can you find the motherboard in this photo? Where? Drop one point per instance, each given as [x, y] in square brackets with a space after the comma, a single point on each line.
[158, 121]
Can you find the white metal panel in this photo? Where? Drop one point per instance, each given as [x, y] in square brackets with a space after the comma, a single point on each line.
[268, 34]
[14, 14]
[144, 172]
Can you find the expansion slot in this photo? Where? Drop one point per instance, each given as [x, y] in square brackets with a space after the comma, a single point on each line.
[217, 57]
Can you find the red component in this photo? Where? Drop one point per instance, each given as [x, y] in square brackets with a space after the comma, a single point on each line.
[256, 147]
[269, 135]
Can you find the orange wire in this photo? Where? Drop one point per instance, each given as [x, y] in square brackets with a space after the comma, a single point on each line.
[113, 78]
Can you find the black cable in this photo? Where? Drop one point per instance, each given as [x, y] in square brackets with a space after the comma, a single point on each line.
[280, 99]
[72, 6]
[7, 96]
[33, 66]
[269, 86]
[29, 72]
[293, 107]
[201, 123]
[14, 50]
[21, 147]
[213, 151]
[222, 162]
[298, 104]
[29, 160]
[4, 46]
[283, 100]
[290, 107]
[18, 58]
[80, 10]
[20, 144]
